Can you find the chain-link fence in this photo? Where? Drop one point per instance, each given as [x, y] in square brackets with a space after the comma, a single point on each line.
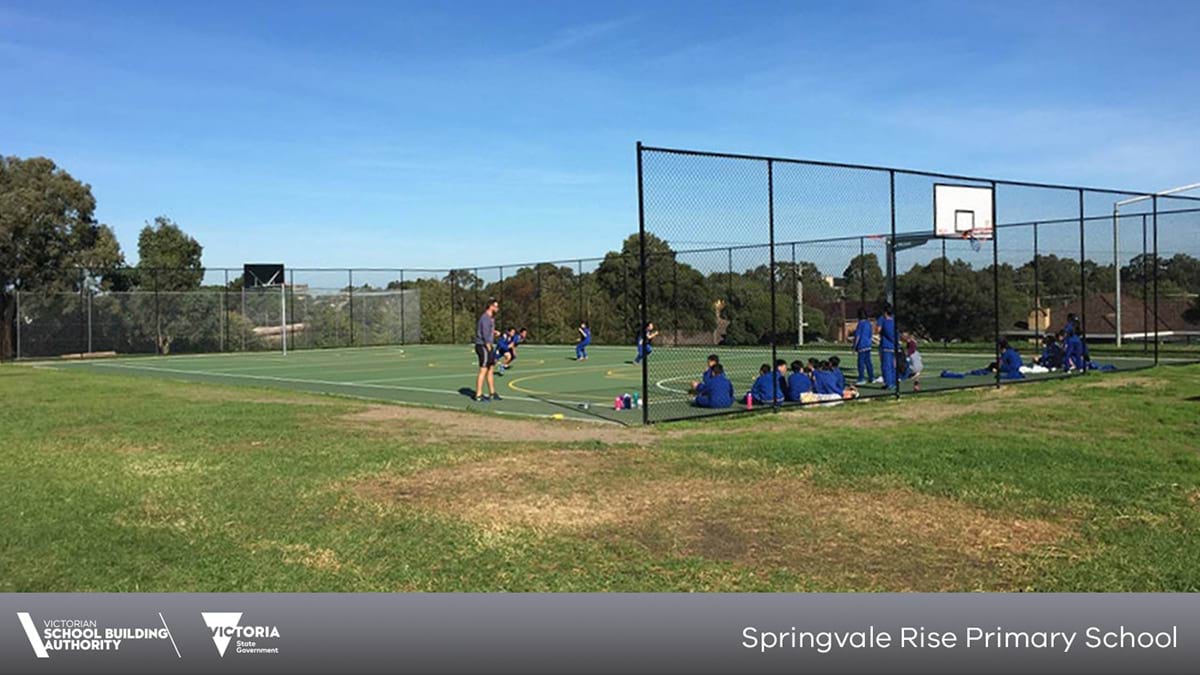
[831, 275]
[833, 270]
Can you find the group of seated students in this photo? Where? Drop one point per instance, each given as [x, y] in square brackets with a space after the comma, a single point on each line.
[816, 381]
[1064, 351]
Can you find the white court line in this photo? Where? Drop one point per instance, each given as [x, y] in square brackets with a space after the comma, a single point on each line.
[327, 383]
[522, 372]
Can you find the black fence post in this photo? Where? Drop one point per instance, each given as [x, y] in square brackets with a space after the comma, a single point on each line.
[579, 275]
[996, 282]
[350, 289]
[862, 271]
[541, 327]
[225, 312]
[675, 296]
[500, 297]
[157, 318]
[894, 281]
[1154, 201]
[1037, 289]
[729, 296]
[403, 292]
[771, 238]
[796, 299]
[453, 329]
[642, 275]
[945, 312]
[291, 307]
[84, 319]
[1083, 299]
[1145, 292]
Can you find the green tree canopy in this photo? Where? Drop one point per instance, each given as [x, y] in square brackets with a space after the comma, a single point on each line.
[168, 259]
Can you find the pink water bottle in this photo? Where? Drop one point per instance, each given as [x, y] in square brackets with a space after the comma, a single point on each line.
[749, 401]
[617, 403]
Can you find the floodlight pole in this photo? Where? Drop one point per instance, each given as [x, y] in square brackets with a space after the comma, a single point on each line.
[1116, 254]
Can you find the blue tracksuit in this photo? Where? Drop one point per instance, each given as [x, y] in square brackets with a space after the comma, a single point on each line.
[1052, 356]
[1069, 329]
[707, 375]
[502, 345]
[839, 378]
[862, 346]
[1010, 365]
[797, 384]
[581, 348]
[643, 346]
[765, 389]
[1074, 356]
[887, 350]
[826, 382]
[715, 392]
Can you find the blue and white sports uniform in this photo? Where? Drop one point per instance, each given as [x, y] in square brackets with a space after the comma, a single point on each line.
[862, 347]
[887, 350]
[585, 339]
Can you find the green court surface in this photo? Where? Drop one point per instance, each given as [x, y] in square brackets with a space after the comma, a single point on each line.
[545, 380]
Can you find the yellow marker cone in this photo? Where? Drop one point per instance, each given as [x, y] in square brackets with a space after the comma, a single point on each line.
[558, 416]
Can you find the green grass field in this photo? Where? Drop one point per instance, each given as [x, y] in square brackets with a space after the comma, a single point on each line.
[544, 381]
[127, 479]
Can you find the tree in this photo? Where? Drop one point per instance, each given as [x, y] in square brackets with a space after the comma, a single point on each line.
[864, 278]
[47, 228]
[168, 258]
[169, 268]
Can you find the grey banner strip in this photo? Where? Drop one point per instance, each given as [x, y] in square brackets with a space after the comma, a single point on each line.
[578, 633]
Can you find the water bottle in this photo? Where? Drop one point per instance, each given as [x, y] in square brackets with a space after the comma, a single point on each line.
[617, 403]
[749, 401]
[628, 402]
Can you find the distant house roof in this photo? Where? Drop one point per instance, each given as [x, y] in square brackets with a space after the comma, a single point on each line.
[1100, 314]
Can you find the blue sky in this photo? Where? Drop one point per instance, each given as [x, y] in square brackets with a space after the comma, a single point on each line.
[457, 133]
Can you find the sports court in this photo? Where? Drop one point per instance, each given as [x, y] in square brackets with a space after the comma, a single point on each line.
[544, 381]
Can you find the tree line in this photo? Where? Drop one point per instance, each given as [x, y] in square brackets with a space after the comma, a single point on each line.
[51, 243]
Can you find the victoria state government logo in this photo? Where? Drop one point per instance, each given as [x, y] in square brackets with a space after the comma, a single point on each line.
[227, 627]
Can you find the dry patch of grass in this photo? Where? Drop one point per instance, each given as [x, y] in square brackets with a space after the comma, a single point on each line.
[446, 425]
[321, 559]
[1109, 382]
[891, 538]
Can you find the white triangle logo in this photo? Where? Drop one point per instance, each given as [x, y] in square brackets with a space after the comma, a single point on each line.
[221, 620]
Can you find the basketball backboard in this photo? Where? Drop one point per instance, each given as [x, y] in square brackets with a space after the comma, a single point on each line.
[962, 211]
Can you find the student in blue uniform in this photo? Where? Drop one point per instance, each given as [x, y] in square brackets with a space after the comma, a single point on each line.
[766, 389]
[585, 339]
[1072, 326]
[1052, 352]
[1074, 353]
[825, 381]
[862, 347]
[836, 364]
[1010, 362]
[645, 342]
[799, 382]
[503, 347]
[716, 391]
[887, 346]
[713, 361]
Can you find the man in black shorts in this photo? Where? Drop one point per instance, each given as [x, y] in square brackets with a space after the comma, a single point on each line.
[485, 337]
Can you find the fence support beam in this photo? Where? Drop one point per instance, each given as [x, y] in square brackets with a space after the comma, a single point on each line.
[1082, 278]
[771, 237]
[642, 275]
[996, 281]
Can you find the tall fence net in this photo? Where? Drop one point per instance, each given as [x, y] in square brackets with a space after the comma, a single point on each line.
[762, 261]
[754, 260]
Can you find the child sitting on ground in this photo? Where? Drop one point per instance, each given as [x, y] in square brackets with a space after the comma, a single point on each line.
[799, 382]
[713, 362]
[767, 389]
[716, 391]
